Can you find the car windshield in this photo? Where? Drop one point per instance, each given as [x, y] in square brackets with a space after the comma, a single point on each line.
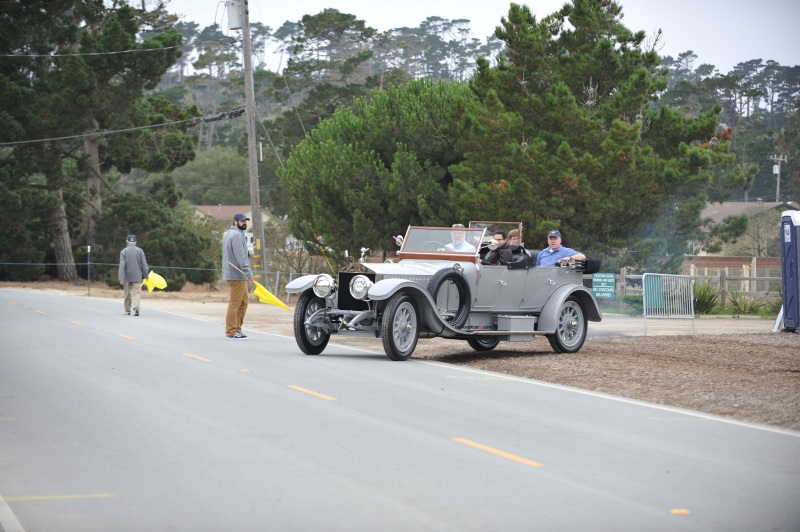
[491, 227]
[442, 240]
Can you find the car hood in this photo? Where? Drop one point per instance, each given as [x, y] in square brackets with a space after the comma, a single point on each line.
[409, 267]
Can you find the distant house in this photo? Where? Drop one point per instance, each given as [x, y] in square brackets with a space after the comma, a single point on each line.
[224, 213]
[719, 211]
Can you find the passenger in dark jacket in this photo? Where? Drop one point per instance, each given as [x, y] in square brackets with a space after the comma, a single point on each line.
[501, 255]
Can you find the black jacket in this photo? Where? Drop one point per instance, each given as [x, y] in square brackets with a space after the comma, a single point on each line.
[498, 257]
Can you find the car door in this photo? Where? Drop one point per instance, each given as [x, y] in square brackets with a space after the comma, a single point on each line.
[499, 288]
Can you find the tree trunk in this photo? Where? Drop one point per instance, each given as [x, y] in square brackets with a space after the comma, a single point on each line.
[93, 197]
[65, 261]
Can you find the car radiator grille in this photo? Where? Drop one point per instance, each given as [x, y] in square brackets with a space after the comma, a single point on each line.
[346, 301]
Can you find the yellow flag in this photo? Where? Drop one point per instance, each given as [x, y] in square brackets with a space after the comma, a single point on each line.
[264, 296]
[154, 281]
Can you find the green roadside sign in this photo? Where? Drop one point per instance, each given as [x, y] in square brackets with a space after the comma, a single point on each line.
[604, 285]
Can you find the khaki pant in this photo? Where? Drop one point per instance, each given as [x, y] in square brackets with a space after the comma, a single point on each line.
[133, 295]
[237, 307]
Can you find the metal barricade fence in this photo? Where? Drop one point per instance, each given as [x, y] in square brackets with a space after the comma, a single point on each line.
[667, 296]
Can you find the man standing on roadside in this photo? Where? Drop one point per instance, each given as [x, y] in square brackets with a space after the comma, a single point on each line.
[236, 271]
[132, 271]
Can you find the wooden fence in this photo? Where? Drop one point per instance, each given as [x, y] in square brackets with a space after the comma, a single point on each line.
[723, 280]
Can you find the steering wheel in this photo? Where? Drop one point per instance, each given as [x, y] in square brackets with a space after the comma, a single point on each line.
[433, 245]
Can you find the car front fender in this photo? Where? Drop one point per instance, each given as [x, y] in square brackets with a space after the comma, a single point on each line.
[301, 284]
[387, 288]
[548, 317]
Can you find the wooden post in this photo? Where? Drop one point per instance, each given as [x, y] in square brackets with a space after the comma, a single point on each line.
[723, 286]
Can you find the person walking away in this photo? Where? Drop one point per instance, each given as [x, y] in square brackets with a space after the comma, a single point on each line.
[132, 271]
[236, 271]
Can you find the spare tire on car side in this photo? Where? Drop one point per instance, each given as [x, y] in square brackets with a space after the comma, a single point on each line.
[449, 275]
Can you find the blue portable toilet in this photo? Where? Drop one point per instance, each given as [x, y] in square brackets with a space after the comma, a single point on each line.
[790, 269]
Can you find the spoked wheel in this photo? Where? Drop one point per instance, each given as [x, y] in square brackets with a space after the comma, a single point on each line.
[483, 343]
[311, 340]
[571, 328]
[400, 327]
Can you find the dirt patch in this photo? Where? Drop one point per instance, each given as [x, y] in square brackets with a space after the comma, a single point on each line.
[735, 368]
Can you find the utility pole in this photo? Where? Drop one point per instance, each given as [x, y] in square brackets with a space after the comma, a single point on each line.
[776, 170]
[239, 19]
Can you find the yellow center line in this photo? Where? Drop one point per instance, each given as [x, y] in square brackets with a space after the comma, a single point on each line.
[11, 302]
[197, 357]
[310, 392]
[244, 371]
[680, 511]
[498, 452]
[59, 497]
[126, 337]
[40, 312]
[6, 419]
[76, 322]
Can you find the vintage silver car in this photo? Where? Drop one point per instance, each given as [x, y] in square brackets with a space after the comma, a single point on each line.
[437, 287]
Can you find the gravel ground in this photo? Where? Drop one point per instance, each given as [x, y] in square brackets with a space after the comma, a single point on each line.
[730, 367]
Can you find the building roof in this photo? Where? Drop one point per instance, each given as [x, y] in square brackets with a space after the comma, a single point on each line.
[719, 211]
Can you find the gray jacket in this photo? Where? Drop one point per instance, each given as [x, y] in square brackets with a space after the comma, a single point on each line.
[234, 250]
[132, 264]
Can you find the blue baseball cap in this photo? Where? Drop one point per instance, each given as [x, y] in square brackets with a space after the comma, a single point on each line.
[240, 217]
[554, 233]
[131, 238]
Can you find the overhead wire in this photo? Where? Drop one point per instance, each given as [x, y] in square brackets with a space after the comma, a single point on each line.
[261, 121]
[229, 114]
[230, 42]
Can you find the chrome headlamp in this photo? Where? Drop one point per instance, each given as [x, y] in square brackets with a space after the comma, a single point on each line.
[324, 285]
[359, 286]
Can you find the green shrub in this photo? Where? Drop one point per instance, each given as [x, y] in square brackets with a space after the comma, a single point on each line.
[175, 283]
[634, 306]
[741, 304]
[706, 299]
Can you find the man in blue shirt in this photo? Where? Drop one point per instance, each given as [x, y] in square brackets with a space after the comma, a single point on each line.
[556, 253]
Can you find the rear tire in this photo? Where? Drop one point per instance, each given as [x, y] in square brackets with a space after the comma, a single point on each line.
[570, 328]
[311, 340]
[483, 344]
[400, 327]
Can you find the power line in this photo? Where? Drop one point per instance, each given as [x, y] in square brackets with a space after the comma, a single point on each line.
[230, 42]
[228, 114]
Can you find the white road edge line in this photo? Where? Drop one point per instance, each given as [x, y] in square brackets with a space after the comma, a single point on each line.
[8, 521]
[702, 415]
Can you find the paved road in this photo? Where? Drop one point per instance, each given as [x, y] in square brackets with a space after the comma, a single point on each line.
[111, 422]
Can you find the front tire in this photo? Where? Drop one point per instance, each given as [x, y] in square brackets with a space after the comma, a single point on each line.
[570, 328]
[482, 343]
[400, 327]
[311, 340]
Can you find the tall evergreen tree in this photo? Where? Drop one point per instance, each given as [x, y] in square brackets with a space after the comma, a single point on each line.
[80, 71]
[568, 138]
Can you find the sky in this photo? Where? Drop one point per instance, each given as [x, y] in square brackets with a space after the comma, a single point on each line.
[720, 33]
